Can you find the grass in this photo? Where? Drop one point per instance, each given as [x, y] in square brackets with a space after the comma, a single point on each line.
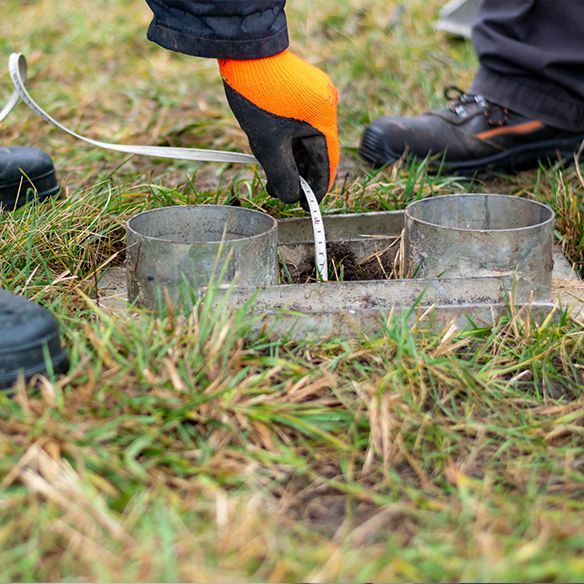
[188, 449]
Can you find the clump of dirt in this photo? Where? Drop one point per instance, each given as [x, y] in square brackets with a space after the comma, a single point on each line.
[344, 266]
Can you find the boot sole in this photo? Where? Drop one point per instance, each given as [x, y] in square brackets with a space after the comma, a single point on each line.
[374, 151]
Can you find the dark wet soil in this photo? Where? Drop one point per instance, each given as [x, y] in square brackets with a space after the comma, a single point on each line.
[344, 266]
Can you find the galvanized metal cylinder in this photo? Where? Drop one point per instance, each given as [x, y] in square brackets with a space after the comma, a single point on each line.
[174, 251]
[482, 235]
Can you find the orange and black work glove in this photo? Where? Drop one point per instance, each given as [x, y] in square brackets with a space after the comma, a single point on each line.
[288, 109]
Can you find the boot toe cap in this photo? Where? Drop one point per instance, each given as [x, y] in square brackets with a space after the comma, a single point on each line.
[28, 335]
[387, 139]
[22, 169]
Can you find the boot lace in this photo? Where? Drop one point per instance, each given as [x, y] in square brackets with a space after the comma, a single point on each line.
[495, 115]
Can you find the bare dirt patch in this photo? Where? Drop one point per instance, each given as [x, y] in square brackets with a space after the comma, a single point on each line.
[345, 266]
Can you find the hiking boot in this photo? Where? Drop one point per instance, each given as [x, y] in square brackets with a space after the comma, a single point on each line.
[469, 136]
[29, 336]
[25, 174]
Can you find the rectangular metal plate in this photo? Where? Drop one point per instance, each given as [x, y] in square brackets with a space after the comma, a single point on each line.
[316, 298]
[355, 323]
[350, 227]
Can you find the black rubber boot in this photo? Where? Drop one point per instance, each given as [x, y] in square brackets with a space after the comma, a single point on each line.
[470, 136]
[25, 174]
[29, 335]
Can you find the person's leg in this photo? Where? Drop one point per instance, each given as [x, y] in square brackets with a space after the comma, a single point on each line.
[526, 104]
[532, 58]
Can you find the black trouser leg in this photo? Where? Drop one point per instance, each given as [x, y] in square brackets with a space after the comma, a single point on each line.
[531, 56]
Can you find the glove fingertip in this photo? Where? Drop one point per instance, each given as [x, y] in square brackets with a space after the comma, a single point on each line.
[284, 192]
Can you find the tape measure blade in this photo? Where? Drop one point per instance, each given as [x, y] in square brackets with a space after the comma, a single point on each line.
[10, 105]
[17, 69]
[320, 254]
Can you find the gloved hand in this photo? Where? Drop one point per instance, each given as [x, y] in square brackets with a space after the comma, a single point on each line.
[288, 109]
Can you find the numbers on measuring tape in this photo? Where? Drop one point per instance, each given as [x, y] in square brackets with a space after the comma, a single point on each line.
[319, 235]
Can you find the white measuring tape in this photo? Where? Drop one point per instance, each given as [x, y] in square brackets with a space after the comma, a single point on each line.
[17, 68]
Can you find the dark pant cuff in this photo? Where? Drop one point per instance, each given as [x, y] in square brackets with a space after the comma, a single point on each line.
[533, 98]
[218, 48]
